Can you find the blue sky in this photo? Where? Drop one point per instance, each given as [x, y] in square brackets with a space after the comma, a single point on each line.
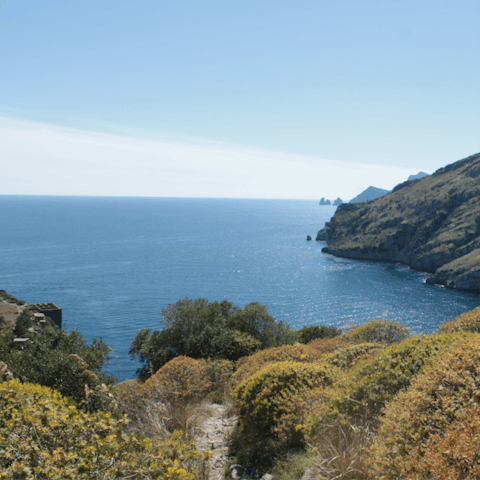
[243, 99]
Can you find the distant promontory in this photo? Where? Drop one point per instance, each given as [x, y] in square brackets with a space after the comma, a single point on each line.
[431, 224]
[369, 194]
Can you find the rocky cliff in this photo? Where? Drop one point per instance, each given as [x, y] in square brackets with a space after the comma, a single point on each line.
[431, 224]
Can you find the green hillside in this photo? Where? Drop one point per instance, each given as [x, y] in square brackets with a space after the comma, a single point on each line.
[431, 224]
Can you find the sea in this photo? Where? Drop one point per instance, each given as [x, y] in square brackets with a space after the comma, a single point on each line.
[113, 263]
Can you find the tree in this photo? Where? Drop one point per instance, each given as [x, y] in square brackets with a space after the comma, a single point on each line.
[202, 329]
[22, 324]
[308, 334]
[60, 360]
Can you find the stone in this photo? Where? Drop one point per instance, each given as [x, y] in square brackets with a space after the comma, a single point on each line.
[268, 476]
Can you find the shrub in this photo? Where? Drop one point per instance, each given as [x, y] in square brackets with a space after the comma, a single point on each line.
[364, 390]
[43, 436]
[346, 358]
[455, 454]
[308, 334]
[219, 372]
[168, 401]
[381, 331]
[328, 345]
[273, 404]
[148, 416]
[127, 389]
[467, 322]
[297, 353]
[181, 380]
[435, 424]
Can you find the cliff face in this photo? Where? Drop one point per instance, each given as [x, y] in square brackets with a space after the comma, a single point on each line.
[429, 224]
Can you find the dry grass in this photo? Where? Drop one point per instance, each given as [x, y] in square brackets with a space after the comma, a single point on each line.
[344, 452]
[155, 416]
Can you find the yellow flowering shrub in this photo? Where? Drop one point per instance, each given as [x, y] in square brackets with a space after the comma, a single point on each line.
[328, 345]
[467, 322]
[347, 357]
[42, 436]
[273, 403]
[296, 353]
[181, 380]
[381, 331]
[432, 430]
[363, 390]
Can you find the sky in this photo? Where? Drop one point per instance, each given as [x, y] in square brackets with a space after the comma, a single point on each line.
[252, 99]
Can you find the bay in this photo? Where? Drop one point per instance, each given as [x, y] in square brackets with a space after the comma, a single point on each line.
[113, 263]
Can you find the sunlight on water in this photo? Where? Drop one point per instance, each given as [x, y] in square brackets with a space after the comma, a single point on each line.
[113, 263]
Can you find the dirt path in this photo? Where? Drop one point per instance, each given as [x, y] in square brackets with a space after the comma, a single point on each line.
[213, 436]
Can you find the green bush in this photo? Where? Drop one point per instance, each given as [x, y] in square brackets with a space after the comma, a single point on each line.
[273, 404]
[297, 353]
[308, 334]
[377, 331]
[202, 329]
[432, 429]
[43, 436]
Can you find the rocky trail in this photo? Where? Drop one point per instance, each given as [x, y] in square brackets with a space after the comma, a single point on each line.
[214, 433]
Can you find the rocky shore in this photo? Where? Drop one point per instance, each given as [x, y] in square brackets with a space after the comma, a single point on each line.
[431, 224]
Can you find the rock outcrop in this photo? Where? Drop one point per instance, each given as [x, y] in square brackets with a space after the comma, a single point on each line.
[369, 194]
[338, 201]
[431, 224]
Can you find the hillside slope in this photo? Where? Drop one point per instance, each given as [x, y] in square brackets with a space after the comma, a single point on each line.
[431, 224]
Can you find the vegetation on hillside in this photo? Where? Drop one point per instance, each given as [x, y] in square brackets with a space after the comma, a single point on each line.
[43, 436]
[373, 402]
[60, 360]
[203, 329]
[431, 224]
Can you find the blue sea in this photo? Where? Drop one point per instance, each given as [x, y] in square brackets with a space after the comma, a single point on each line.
[112, 264]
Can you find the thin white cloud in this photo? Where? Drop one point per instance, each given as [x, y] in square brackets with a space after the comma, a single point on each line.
[41, 159]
